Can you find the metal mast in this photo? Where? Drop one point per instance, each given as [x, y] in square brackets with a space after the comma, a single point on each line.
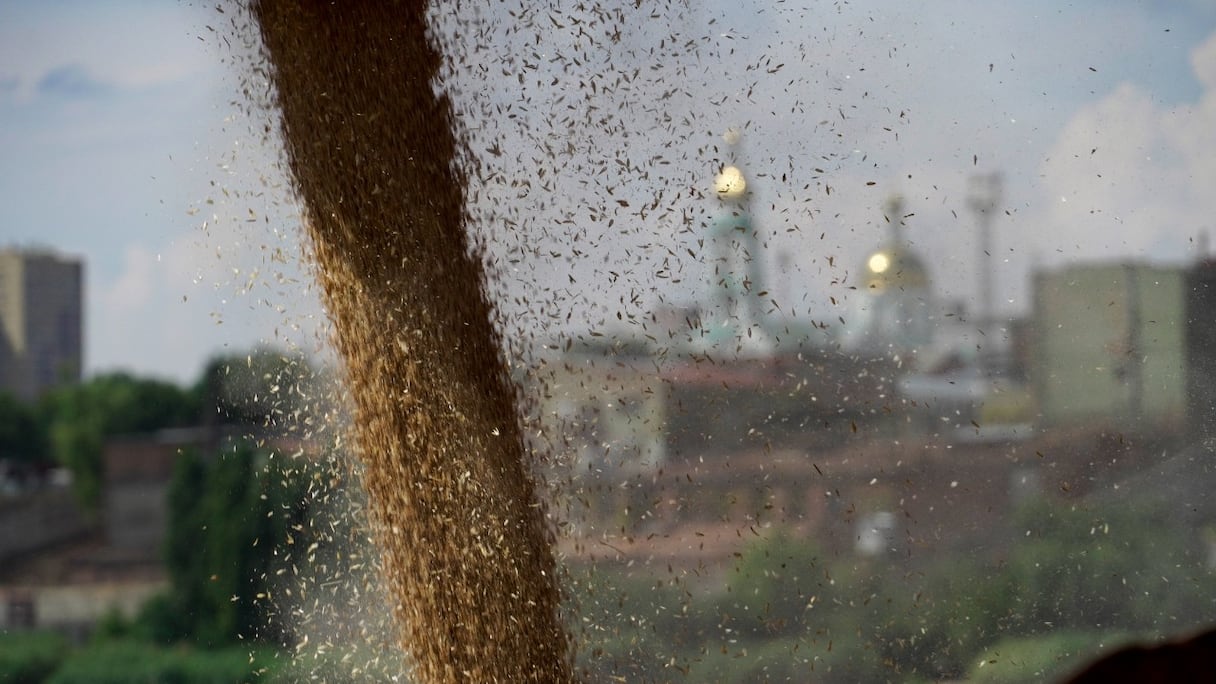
[983, 197]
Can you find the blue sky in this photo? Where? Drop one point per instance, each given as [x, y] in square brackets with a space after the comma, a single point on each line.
[120, 143]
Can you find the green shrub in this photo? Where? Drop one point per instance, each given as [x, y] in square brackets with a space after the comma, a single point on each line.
[1105, 568]
[160, 621]
[791, 659]
[130, 662]
[774, 582]
[30, 656]
[1041, 658]
[233, 521]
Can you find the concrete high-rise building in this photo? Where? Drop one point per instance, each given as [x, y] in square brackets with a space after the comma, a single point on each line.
[41, 321]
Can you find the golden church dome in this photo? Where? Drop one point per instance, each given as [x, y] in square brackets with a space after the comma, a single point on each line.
[894, 266]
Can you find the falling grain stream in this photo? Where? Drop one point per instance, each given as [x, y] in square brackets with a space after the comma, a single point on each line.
[466, 549]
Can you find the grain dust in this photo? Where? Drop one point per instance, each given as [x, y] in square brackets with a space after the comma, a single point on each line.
[467, 552]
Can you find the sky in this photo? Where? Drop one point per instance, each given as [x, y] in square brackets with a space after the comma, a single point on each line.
[125, 140]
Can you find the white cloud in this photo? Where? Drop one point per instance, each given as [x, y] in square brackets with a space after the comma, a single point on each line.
[1203, 61]
[126, 46]
[225, 287]
[1128, 176]
[133, 289]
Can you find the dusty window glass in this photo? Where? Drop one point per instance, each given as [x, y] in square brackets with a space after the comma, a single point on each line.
[865, 342]
[851, 341]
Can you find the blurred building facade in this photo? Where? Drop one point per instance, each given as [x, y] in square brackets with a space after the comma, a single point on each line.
[41, 321]
[1109, 344]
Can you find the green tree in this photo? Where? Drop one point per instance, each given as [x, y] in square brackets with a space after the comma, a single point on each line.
[776, 582]
[76, 434]
[1080, 569]
[230, 522]
[79, 419]
[171, 618]
[1124, 566]
[29, 657]
[264, 387]
[942, 616]
[22, 437]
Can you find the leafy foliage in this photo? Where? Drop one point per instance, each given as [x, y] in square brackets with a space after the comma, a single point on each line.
[779, 580]
[228, 520]
[80, 418]
[122, 662]
[1068, 578]
[29, 657]
[265, 387]
[1119, 566]
[21, 436]
[1040, 658]
[71, 425]
[1068, 569]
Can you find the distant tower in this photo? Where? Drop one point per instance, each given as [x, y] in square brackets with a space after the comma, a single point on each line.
[983, 197]
[892, 312]
[737, 278]
[41, 314]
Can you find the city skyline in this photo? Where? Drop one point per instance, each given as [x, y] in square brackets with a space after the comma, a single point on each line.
[122, 142]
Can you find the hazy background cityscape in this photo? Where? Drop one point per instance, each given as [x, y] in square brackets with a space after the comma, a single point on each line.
[121, 137]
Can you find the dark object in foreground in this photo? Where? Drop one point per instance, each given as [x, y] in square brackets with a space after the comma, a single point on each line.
[1192, 660]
